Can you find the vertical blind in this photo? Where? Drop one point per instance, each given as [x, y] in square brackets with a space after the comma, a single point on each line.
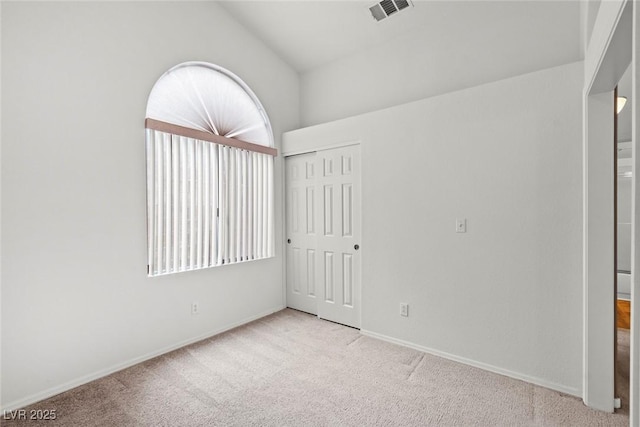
[208, 204]
[210, 159]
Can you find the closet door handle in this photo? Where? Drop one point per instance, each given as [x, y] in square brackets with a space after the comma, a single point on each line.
[289, 241]
[356, 247]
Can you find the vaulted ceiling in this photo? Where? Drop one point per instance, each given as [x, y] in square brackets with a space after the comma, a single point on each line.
[309, 34]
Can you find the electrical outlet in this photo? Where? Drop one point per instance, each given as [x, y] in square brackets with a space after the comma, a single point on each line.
[194, 308]
[404, 309]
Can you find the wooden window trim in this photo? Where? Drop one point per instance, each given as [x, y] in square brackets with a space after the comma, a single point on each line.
[206, 136]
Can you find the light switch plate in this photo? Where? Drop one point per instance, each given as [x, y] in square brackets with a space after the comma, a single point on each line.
[404, 309]
[461, 225]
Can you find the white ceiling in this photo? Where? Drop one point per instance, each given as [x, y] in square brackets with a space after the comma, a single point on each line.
[308, 34]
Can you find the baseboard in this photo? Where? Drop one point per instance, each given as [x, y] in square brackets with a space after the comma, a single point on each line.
[120, 366]
[516, 375]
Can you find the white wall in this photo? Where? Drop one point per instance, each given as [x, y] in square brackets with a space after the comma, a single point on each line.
[76, 301]
[444, 55]
[589, 12]
[507, 295]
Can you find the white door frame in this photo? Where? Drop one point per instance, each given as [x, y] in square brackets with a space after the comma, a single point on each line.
[614, 38]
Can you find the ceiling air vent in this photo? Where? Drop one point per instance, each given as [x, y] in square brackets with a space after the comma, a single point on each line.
[385, 8]
[388, 6]
[402, 4]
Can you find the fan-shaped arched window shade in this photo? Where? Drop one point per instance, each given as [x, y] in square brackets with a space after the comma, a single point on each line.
[209, 171]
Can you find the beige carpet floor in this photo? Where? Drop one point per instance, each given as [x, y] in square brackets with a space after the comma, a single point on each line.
[292, 369]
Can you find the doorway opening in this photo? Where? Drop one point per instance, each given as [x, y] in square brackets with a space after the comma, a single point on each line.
[622, 232]
[610, 51]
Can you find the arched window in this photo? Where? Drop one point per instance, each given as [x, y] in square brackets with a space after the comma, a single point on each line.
[209, 171]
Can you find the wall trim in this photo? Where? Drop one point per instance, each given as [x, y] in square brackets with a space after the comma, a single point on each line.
[573, 391]
[313, 150]
[609, 16]
[45, 394]
[313, 146]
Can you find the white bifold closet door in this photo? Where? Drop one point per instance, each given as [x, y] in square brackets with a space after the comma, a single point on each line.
[323, 234]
